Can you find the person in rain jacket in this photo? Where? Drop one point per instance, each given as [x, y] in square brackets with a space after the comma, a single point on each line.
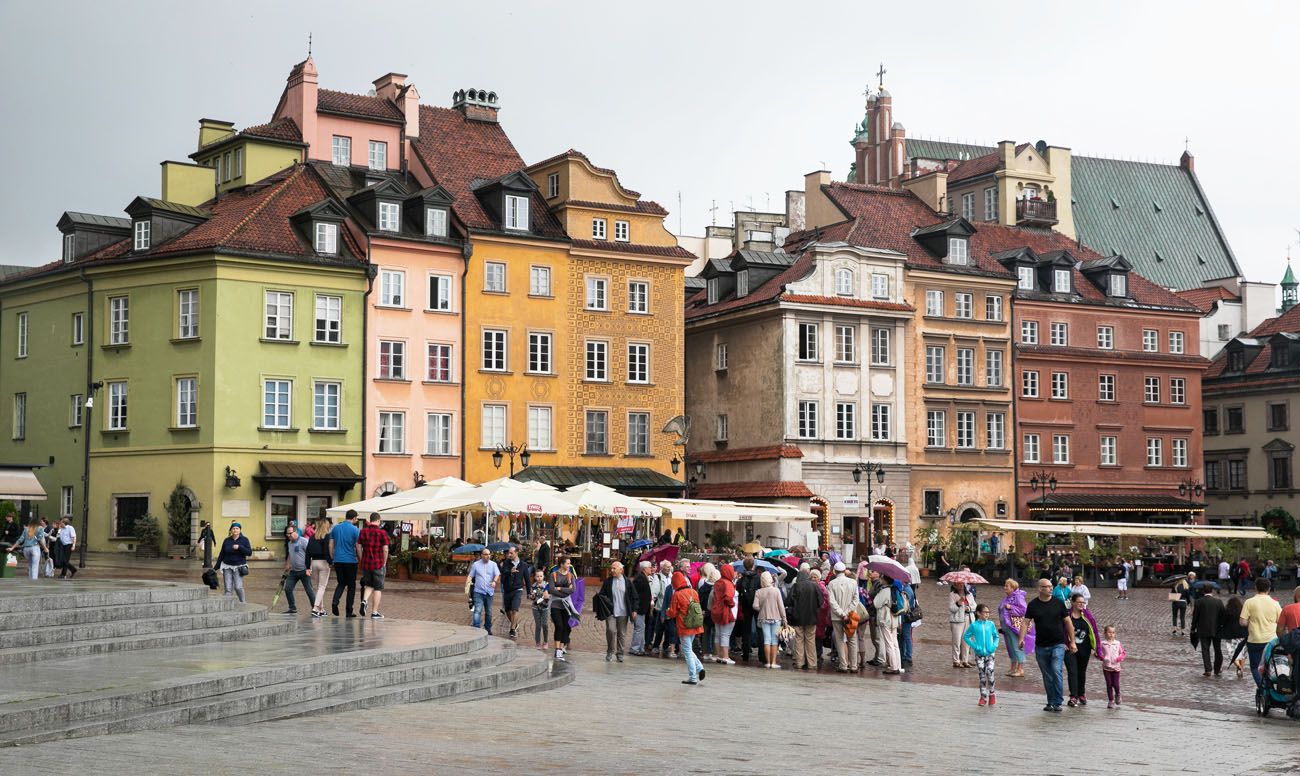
[982, 638]
[722, 607]
[683, 596]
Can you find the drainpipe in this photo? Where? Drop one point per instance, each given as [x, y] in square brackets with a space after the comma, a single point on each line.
[467, 250]
[1015, 427]
[86, 425]
[372, 272]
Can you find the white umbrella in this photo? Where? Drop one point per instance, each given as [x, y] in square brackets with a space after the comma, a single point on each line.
[604, 500]
[406, 503]
[506, 495]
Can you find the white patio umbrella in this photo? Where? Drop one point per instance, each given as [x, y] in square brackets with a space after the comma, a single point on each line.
[507, 496]
[407, 503]
[604, 500]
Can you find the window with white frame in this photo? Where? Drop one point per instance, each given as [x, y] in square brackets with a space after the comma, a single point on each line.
[597, 228]
[390, 217]
[936, 428]
[226, 174]
[638, 433]
[1060, 448]
[279, 315]
[742, 283]
[846, 420]
[846, 349]
[1105, 387]
[239, 163]
[1178, 450]
[119, 320]
[494, 277]
[638, 362]
[329, 319]
[277, 397]
[392, 287]
[1155, 451]
[494, 425]
[597, 428]
[597, 293]
[963, 305]
[1177, 390]
[516, 213]
[968, 206]
[958, 250]
[78, 328]
[327, 238]
[993, 307]
[965, 366]
[20, 416]
[1150, 340]
[808, 346]
[142, 234]
[1030, 445]
[392, 360]
[1106, 337]
[326, 398]
[993, 368]
[1176, 342]
[187, 313]
[438, 366]
[75, 409]
[69, 247]
[597, 360]
[378, 155]
[392, 432]
[187, 402]
[933, 302]
[341, 150]
[807, 418]
[539, 352]
[22, 335]
[638, 297]
[439, 293]
[1059, 334]
[1029, 384]
[1029, 332]
[553, 185]
[880, 347]
[996, 430]
[965, 429]
[881, 418]
[1025, 278]
[494, 350]
[1061, 281]
[713, 290]
[991, 204]
[1118, 285]
[1151, 393]
[935, 369]
[720, 356]
[844, 281]
[1060, 385]
[65, 501]
[879, 286]
[539, 428]
[622, 231]
[437, 433]
[721, 428]
[435, 222]
[1108, 451]
[539, 281]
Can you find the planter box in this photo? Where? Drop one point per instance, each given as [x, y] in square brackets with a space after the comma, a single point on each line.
[147, 552]
[262, 555]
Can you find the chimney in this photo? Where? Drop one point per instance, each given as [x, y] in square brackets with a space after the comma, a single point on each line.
[387, 86]
[476, 104]
[1187, 161]
[299, 103]
[212, 130]
[409, 101]
[1006, 154]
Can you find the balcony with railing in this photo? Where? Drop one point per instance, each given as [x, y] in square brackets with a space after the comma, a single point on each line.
[1035, 212]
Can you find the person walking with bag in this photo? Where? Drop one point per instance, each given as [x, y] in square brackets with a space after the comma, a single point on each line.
[722, 606]
[890, 603]
[561, 588]
[295, 568]
[32, 543]
[233, 561]
[618, 603]
[318, 558]
[684, 608]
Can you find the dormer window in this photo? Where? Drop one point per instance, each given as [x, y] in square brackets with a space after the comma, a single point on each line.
[1026, 278]
[553, 185]
[1118, 285]
[389, 217]
[69, 247]
[713, 288]
[141, 230]
[516, 212]
[1281, 356]
[378, 156]
[958, 250]
[622, 231]
[742, 283]
[1061, 281]
[597, 228]
[327, 239]
[844, 282]
[435, 222]
[1236, 360]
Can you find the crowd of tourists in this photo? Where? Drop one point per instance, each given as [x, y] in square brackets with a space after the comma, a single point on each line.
[43, 547]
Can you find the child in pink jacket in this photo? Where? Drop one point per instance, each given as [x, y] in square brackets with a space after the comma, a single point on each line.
[1112, 655]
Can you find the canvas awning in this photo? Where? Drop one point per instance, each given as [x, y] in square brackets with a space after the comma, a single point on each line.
[306, 474]
[730, 511]
[19, 483]
[1129, 529]
[406, 505]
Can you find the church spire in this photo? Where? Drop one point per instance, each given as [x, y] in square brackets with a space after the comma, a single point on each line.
[1289, 288]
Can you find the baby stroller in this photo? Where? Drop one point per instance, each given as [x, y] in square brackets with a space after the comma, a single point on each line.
[1279, 690]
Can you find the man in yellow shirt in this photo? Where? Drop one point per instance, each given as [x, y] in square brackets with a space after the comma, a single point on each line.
[1259, 615]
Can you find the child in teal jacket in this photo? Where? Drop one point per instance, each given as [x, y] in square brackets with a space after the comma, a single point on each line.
[982, 637]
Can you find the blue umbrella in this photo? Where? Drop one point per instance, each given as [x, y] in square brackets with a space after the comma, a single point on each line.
[639, 543]
[500, 546]
[759, 563]
[464, 548]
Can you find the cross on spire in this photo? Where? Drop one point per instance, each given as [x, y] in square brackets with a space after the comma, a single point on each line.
[1186, 143]
[880, 74]
[309, 45]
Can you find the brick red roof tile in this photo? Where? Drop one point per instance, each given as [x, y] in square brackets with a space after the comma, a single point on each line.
[363, 105]
[973, 168]
[1204, 299]
[769, 453]
[642, 206]
[281, 129]
[769, 489]
[1287, 321]
[769, 291]
[840, 301]
[673, 251]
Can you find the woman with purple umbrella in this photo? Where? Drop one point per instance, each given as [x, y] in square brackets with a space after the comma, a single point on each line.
[1012, 616]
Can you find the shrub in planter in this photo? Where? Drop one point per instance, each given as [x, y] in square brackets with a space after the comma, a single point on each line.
[148, 536]
[178, 516]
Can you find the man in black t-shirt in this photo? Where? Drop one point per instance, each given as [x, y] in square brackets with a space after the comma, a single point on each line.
[1053, 634]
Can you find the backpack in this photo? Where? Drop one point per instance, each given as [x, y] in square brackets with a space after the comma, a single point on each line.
[913, 613]
[694, 617]
[898, 599]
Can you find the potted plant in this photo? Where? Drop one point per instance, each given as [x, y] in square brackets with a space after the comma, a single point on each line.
[148, 536]
[402, 563]
[178, 522]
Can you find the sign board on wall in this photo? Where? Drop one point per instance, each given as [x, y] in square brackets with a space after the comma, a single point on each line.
[851, 502]
[235, 507]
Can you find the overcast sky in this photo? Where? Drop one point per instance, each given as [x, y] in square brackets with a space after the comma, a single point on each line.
[712, 100]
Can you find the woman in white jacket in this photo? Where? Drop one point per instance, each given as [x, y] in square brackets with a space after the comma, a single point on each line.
[961, 611]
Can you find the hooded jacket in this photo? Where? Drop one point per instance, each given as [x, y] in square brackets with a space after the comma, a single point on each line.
[746, 587]
[683, 594]
[982, 637]
[723, 598]
[805, 600]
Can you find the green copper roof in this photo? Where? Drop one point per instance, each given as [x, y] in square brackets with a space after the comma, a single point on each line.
[1155, 215]
[1289, 278]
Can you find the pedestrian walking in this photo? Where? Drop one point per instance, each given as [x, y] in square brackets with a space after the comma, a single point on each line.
[233, 561]
[1084, 631]
[1207, 613]
[684, 609]
[295, 568]
[9, 534]
[318, 560]
[1225, 576]
[484, 576]
[723, 603]
[33, 544]
[1259, 615]
[206, 541]
[373, 545]
[561, 585]
[620, 596]
[67, 544]
[343, 550]
[1061, 591]
[842, 592]
[644, 603]
[515, 574]
[770, 611]
[541, 600]
[1121, 584]
[1053, 636]
[1180, 595]
[982, 638]
[1112, 655]
[49, 558]
[1232, 631]
[961, 611]
[805, 601]
[709, 576]
[1012, 613]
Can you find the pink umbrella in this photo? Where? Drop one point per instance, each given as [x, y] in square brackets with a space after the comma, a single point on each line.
[888, 567]
[661, 553]
[965, 577]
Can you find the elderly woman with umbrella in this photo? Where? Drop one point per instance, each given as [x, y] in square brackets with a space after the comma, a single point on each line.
[1011, 612]
[961, 612]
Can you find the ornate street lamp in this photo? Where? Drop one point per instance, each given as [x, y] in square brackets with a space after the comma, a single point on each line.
[869, 467]
[511, 450]
[1044, 482]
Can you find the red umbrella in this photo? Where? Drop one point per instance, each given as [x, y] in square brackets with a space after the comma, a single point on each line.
[661, 553]
[965, 577]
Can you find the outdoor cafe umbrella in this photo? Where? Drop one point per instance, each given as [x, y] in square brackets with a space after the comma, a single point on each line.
[464, 548]
[752, 548]
[501, 546]
[965, 577]
[888, 567]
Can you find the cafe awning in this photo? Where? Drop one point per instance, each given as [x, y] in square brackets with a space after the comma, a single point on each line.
[730, 511]
[306, 474]
[1128, 529]
[1147, 503]
[19, 483]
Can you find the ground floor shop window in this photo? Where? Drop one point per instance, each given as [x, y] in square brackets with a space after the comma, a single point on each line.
[301, 508]
[126, 509]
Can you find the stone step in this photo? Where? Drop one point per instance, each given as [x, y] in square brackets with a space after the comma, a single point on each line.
[22, 595]
[63, 711]
[558, 675]
[254, 630]
[246, 614]
[273, 700]
[87, 615]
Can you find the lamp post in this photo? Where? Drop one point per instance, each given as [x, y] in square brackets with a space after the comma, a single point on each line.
[91, 388]
[1191, 489]
[1042, 481]
[695, 471]
[869, 468]
[511, 450]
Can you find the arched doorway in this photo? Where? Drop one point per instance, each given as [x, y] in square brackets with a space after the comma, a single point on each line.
[821, 508]
[970, 513]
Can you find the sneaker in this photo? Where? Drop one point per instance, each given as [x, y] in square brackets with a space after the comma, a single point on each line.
[318, 614]
[1117, 701]
[983, 702]
[1072, 702]
[619, 658]
[726, 661]
[291, 612]
[1048, 707]
[376, 616]
[1110, 704]
[512, 633]
[609, 657]
[1055, 709]
[363, 607]
[701, 675]
[1083, 701]
[689, 681]
[993, 699]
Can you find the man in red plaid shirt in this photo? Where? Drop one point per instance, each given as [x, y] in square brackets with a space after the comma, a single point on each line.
[374, 562]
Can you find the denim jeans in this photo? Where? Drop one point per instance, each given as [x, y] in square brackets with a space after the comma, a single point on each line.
[297, 578]
[1256, 653]
[33, 555]
[1012, 641]
[1050, 661]
[638, 634]
[722, 633]
[905, 641]
[693, 664]
[483, 611]
[770, 627]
